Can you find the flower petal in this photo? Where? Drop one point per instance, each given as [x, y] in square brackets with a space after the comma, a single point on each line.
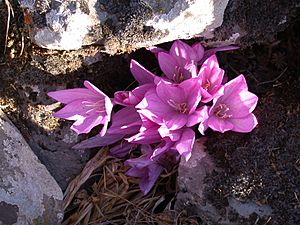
[182, 50]
[125, 121]
[213, 51]
[153, 108]
[190, 70]
[167, 64]
[132, 98]
[122, 149]
[99, 141]
[203, 127]
[75, 110]
[245, 124]
[185, 145]
[146, 183]
[136, 172]
[198, 116]
[162, 148]
[234, 86]
[219, 124]
[93, 89]
[148, 133]
[199, 50]
[241, 104]
[192, 92]
[155, 50]
[142, 75]
[85, 125]
[173, 135]
[167, 91]
[70, 95]
[174, 122]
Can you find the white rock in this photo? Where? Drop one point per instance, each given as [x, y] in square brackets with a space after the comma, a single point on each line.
[71, 25]
[188, 19]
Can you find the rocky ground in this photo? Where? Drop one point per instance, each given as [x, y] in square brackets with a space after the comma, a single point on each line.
[260, 168]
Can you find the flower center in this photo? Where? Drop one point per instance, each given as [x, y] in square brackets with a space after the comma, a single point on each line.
[97, 106]
[206, 85]
[178, 75]
[179, 107]
[221, 111]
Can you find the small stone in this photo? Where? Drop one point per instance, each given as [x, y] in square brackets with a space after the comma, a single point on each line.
[28, 193]
[191, 174]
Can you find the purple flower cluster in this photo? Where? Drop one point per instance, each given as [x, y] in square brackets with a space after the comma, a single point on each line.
[160, 116]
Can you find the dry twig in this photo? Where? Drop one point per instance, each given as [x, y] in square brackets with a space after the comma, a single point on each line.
[10, 12]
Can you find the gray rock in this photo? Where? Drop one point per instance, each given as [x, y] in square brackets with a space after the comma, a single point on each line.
[122, 26]
[194, 199]
[191, 174]
[28, 193]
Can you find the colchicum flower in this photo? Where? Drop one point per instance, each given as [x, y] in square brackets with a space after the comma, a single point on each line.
[211, 76]
[146, 170]
[233, 109]
[180, 63]
[160, 116]
[172, 105]
[88, 107]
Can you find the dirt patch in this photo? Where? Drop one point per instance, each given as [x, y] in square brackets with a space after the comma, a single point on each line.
[263, 166]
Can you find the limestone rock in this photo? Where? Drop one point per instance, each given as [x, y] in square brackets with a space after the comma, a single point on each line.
[124, 25]
[28, 193]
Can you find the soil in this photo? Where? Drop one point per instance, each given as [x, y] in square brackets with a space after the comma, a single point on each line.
[263, 166]
[268, 157]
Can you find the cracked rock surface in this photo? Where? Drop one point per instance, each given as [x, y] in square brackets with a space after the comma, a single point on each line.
[125, 25]
[28, 193]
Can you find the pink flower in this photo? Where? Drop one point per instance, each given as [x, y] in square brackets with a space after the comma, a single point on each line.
[122, 149]
[132, 98]
[182, 50]
[233, 109]
[88, 107]
[172, 105]
[146, 170]
[179, 64]
[211, 76]
[194, 53]
[181, 140]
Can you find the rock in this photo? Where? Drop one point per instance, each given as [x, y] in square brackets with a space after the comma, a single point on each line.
[125, 25]
[120, 25]
[191, 174]
[28, 193]
[193, 198]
